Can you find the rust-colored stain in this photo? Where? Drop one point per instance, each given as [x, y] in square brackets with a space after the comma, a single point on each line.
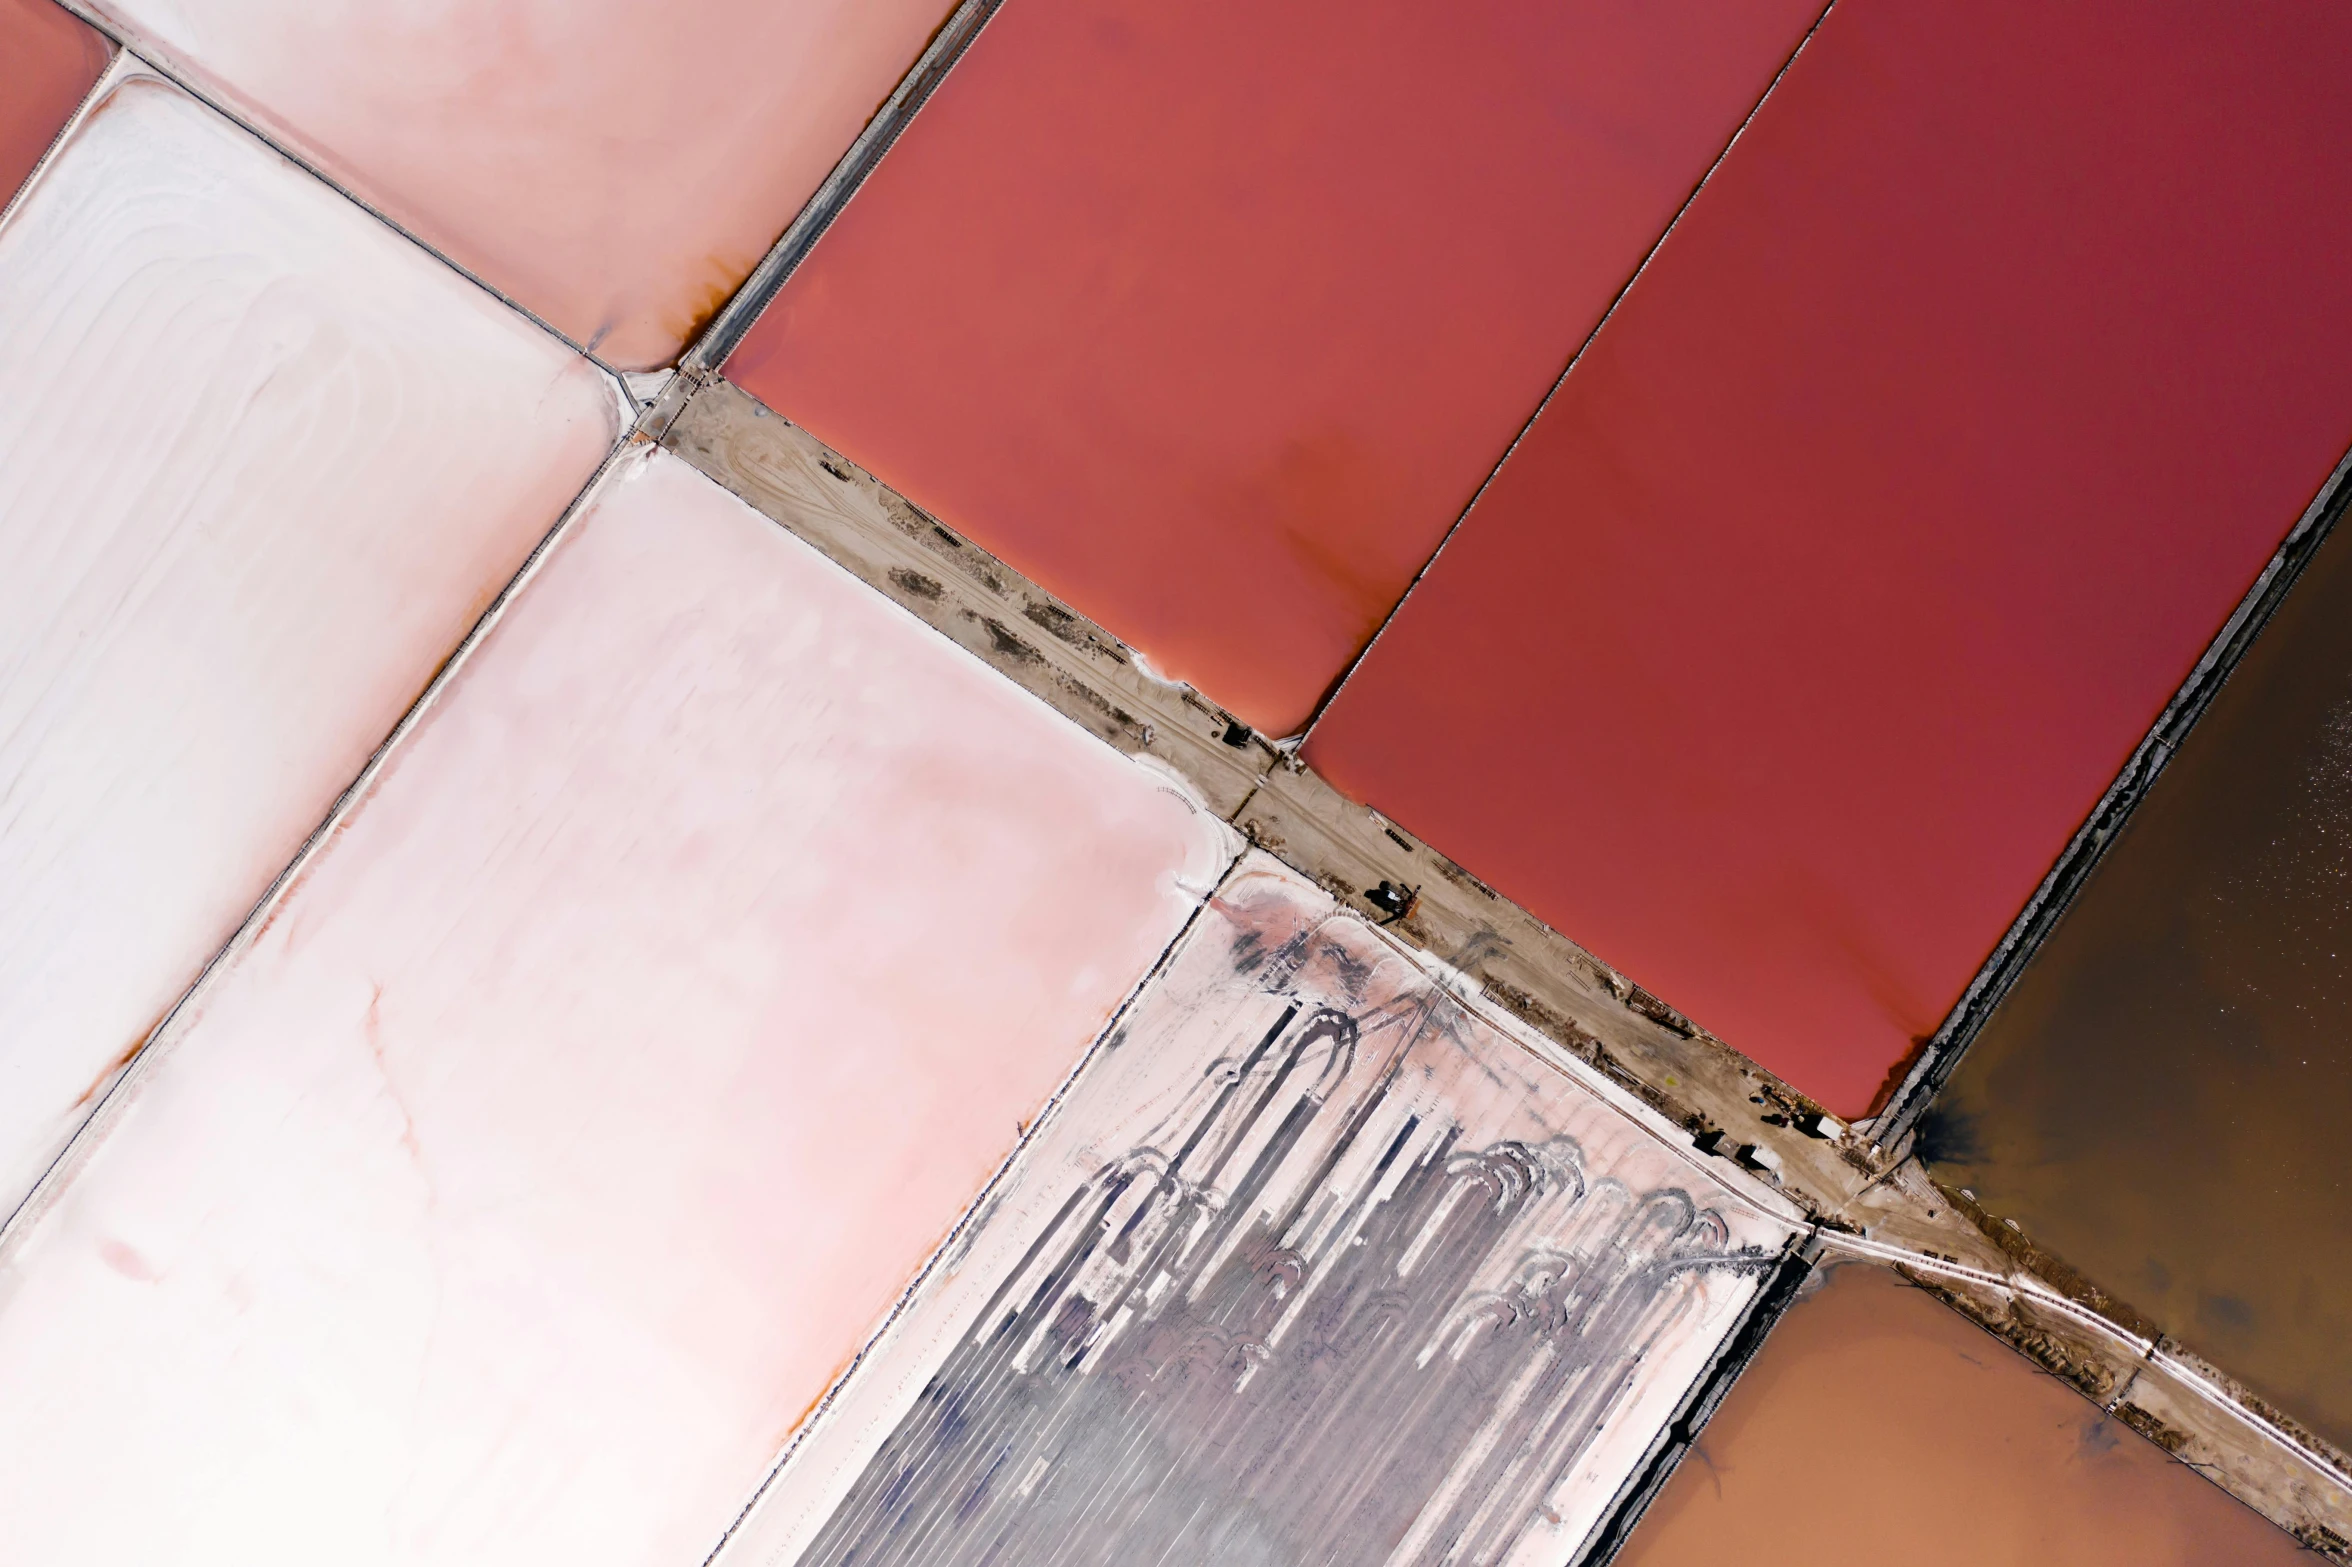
[106, 1073]
[1876, 1414]
[700, 302]
[1892, 1083]
[2163, 1096]
[121, 1059]
[1900, 493]
[49, 60]
[1211, 318]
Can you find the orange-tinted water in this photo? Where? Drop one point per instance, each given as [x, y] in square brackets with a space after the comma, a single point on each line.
[1879, 1425]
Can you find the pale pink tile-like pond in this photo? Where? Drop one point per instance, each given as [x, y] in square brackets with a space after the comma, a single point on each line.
[595, 1090]
[262, 462]
[615, 168]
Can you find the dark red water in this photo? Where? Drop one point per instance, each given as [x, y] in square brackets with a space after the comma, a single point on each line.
[1905, 487]
[1211, 317]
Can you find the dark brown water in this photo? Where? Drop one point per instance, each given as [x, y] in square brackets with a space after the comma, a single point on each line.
[2165, 1098]
[1878, 1425]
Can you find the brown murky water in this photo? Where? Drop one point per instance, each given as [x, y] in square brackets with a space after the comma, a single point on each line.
[1879, 1425]
[2164, 1098]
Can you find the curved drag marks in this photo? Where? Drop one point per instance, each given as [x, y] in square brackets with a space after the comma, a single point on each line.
[1312, 1264]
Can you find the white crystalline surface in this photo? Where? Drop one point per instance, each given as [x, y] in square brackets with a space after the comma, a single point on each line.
[596, 1089]
[261, 464]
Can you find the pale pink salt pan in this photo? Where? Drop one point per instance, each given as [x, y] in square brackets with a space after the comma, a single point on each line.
[596, 1091]
[262, 462]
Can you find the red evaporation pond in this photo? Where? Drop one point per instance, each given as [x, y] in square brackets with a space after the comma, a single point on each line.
[1878, 1423]
[1212, 317]
[49, 59]
[1819, 607]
